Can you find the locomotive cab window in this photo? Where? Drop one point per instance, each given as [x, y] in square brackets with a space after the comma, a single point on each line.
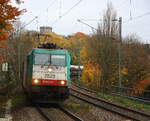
[58, 60]
[42, 59]
[47, 59]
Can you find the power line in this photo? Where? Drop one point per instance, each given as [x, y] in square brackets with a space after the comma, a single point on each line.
[91, 19]
[29, 22]
[52, 3]
[130, 9]
[137, 17]
[122, 4]
[87, 24]
[60, 7]
[48, 7]
[66, 12]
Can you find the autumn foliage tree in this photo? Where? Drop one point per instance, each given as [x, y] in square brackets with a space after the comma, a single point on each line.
[8, 14]
[100, 57]
[16, 53]
[135, 60]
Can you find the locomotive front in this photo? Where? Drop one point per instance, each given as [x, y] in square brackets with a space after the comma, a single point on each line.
[50, 78]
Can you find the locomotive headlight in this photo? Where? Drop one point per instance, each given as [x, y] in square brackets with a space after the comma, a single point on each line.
[50, 69]
[62, 82]
[36, 81]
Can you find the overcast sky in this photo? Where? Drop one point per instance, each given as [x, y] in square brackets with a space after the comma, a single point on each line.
[48, 11]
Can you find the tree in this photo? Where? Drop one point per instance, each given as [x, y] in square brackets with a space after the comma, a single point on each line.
[135, 60]
[8, 14]
[102, 52]
[16, 53]
[76, 42]
[18, 1]
[109, 27]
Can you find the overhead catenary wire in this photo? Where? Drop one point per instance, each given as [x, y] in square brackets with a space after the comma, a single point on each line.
[46, 9]
[122, 4]
[91, 19]
[49, 5]
[138, 17]
[29, 22]
[60, 7]
[65, 13]
[87, 24]
[130, 9]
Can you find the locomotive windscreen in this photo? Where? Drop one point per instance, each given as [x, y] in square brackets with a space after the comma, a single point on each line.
[58, 60]
[46, 59]
[42, 59]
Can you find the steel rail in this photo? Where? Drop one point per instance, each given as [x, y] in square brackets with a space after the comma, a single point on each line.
[70, 114]
[144, 101]
[123, 111]
[43, 114]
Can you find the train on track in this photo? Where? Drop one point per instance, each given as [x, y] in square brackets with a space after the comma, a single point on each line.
[47, 73]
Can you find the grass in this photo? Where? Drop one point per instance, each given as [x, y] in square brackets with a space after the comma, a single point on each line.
[18, 100]
[77, 107]
[3, 100]
[125, 101]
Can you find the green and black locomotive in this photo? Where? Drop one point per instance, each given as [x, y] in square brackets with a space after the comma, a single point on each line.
[48, 75]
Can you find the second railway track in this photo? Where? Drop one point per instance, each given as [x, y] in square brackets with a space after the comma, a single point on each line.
[107, 105]
[63, 115]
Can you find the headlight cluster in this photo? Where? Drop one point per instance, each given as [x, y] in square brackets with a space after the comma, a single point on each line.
[50, 69]
[36, 81]
[62, 82]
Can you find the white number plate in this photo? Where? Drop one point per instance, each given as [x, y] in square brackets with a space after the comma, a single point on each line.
[49, 75]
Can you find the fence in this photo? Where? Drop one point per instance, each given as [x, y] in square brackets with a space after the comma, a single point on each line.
[131, 93]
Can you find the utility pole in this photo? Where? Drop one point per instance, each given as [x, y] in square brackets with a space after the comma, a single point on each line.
[119, 52]
[120, 28]
[79, 70]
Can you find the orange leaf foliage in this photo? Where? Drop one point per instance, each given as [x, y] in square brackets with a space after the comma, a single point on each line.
[142, 84]
[8, 14]
[78, 35]
[91, 75]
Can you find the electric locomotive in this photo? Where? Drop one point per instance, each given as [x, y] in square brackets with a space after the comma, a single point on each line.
[48, 75]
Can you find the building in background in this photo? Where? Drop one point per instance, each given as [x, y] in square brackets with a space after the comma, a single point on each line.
[45, 29]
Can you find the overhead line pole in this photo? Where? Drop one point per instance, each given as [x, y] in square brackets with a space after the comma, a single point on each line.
[119, 53]
[119, 49]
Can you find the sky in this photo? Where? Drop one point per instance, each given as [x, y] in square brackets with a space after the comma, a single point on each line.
[49, 11]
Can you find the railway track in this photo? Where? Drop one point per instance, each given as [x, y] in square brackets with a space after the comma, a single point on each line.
[67, 115]
[107, 105]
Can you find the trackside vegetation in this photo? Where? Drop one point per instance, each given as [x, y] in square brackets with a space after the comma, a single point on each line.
[125, 101]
